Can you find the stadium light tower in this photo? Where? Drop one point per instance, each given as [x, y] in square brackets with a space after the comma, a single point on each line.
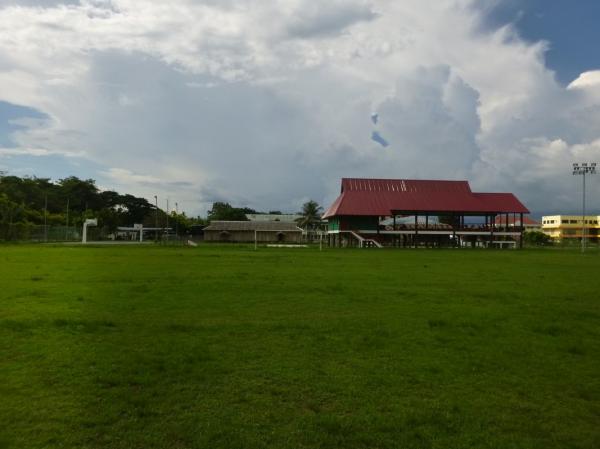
[156, 218]
[584, 169]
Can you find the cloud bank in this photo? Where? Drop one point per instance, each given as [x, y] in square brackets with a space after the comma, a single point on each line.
[268, 104]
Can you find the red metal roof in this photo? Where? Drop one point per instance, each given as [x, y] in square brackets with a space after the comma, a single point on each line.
[383, 197]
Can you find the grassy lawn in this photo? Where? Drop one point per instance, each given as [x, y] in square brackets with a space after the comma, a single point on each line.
[225, 347]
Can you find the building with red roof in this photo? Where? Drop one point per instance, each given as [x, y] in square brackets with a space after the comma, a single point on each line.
[355, 216]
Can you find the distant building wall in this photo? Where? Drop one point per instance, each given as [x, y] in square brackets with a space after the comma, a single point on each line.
[248, 236]
[561, 227]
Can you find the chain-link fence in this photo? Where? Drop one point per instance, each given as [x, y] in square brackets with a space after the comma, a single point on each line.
[20, 232]
[39, 233]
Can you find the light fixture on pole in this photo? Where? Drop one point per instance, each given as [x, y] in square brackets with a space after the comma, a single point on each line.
[583, 169]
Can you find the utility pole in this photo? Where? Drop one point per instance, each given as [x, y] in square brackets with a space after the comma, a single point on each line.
[45, 220]
[167, 230]
[584, 169]
[156, 219]
[176, 220]
[67, 231]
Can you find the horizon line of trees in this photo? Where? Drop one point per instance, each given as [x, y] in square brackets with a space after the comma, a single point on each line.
[30, 202]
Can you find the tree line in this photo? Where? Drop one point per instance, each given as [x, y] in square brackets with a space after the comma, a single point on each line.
[26, 203]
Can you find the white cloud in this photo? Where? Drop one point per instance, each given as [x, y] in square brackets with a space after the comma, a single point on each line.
[586, 79]
[38, 152]
[268, 103]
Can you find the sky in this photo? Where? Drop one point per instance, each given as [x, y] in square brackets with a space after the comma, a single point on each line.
[269, 104]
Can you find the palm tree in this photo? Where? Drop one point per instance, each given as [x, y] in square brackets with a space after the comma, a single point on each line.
[311, 214]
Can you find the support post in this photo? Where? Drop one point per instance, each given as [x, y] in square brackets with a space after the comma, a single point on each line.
[453, 221]
[416, 229]
[583, 218]
[86, 223]
[521, 237]
[67, 231]
[45, 215]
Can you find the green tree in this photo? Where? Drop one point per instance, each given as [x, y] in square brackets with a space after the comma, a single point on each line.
[224, 211]
[536, 238]
[82, 194]
[311, 215]
[134, 209]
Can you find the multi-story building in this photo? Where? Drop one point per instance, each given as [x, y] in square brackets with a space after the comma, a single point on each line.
[561, 227]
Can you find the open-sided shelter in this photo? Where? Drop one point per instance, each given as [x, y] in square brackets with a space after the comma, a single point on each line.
[355, 216]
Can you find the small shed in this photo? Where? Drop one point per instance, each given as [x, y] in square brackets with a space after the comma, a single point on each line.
[247, 231]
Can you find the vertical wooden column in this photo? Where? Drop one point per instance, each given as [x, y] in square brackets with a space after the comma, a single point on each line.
[453, 221]
[492, 225]
[426, 227]
[521, 238]
[416, 230]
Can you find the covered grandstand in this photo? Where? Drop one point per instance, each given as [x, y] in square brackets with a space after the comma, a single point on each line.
[412, 213]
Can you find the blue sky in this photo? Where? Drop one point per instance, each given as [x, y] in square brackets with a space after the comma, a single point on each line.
[199, 101]
[8, 114]
[571, 28]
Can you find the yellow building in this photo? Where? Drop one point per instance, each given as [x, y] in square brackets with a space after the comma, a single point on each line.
[571, 226]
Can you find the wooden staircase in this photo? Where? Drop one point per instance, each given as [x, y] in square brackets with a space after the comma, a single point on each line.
[365, 243]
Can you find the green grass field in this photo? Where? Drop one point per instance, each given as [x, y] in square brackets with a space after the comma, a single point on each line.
[226, 347]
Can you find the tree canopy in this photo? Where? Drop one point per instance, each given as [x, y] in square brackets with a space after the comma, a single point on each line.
[31, 201]
[226, 212]
[311, 215]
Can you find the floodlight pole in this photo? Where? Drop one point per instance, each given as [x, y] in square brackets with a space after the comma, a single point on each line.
[167, 230]
[583, 169]
[67, 231]
[176, 220]
[156, 219]
[45, 217]
[583, 216]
